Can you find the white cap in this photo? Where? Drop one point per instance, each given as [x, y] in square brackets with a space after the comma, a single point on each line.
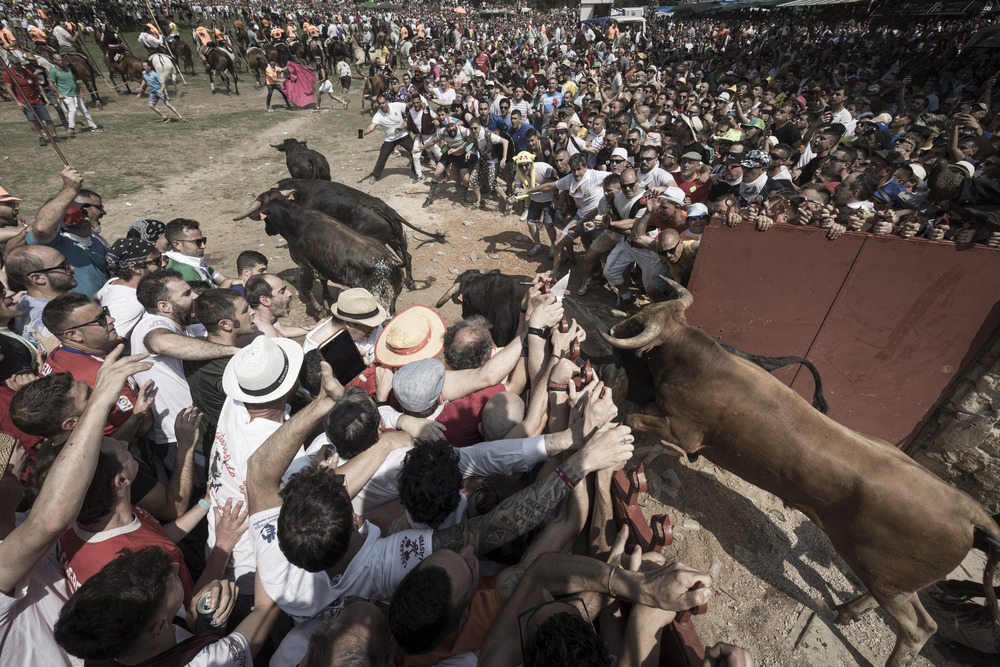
[619, 152]
[695, 210]
[674, 195]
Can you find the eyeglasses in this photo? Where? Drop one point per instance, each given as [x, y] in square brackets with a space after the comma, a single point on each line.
[528, 613]
[776, 158]
[101, 321]
[833, 158]
[647, 159]
[65, 266]
[158, 261]
[198, 242]
[628, 185]
[99, 207]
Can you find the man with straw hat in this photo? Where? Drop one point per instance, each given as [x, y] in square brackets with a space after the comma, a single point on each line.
[356, 311]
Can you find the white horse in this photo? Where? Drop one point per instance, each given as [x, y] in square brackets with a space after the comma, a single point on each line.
[164, 66]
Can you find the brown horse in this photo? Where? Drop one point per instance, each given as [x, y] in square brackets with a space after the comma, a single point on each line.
[257, 61]
[81, 69]
[124, 64]
[219, 61]
[181, 50]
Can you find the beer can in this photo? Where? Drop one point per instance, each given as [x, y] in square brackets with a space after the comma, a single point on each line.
[205, 609]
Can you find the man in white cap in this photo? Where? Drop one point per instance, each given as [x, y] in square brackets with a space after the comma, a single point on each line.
[259, 381]
[636, 247]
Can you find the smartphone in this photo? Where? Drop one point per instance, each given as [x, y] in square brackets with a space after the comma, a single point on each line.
[343, 356]
[361, 134]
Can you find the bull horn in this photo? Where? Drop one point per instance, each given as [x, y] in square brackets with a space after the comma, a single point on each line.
[274, 144]
[287, 194]
[647, 337]
[254, 207]
[452, 291]
[686, 298]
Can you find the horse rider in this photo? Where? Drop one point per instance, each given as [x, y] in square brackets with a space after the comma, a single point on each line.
[204, 40]
[113, 40]
[290, 33]
[150, 38]
[66, 37]
[38, 36]
[9, 42]
[277, 34]
[175, 32]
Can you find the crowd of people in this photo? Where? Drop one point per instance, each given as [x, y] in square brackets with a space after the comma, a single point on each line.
[185, 482]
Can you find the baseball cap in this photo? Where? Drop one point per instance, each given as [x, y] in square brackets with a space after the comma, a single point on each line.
[418, 385]
[756, 122]
[674, 195]
[724, 95]
[620, 152]
[697, 210]
[756, 159]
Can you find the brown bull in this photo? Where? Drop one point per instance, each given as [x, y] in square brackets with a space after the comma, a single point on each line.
[374, 86]
[898, 526]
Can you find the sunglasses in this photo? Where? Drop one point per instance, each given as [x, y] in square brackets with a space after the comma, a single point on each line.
[800, 200]
[101, 321]
[198, 242]
[628, 185]
[159, 261]
[617, 161]
[99, 207]
[647, 159]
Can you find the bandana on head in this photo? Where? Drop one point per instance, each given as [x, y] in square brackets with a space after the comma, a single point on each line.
[127, 252]
[149, 230]
[74, 217]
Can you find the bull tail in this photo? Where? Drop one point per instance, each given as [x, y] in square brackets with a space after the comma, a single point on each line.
[770, 364]
[434, 236]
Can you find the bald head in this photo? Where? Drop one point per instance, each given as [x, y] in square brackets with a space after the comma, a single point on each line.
[501, 413]
[359, 635]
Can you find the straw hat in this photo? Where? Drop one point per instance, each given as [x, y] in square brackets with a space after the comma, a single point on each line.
[6, 196]
[416, 333]
[358, 305]
[263, 371]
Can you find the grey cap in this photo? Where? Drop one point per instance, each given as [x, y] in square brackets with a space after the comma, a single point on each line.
[418, 385]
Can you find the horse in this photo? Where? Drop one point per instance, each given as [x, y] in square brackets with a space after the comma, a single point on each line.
[164, 66]
[278, 52]
[297, 49]
[181, 50]
[219, 61]
[257, 60]
[125, 65]
[336, 51]
[314, 48]
[359, 54]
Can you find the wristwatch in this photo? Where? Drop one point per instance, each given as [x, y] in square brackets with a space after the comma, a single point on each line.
[544, 332]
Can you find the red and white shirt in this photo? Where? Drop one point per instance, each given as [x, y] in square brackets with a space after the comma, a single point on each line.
[83, 366]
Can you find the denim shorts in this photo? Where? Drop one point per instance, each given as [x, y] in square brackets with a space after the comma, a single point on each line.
[158, 97]
[36, 112]
[540, 211]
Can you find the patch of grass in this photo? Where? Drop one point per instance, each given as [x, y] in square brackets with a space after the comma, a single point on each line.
[136, 150]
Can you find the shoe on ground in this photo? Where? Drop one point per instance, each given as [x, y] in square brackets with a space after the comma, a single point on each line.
[42, 141]
[418, 179]
[585, 287]
[535, 249]
[346, 103]
[524, 216]
[269, 109]
[60, 139]
[97, 129]
[165, 120]
[72, 130]
[427, 202]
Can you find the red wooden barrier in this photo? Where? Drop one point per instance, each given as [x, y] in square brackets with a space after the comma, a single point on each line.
[890, 323]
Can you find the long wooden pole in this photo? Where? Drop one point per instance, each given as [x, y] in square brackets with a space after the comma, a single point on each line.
[41, 123]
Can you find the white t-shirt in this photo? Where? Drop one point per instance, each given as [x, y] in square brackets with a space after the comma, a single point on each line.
[654, 178]
[445, 95]
[236, 439]
[378, 568]
[343, 69]
[125, 308]
[588, 192]
[172, 391]
[392, 123]
[29, 613]
[544, 173]
[62, 36]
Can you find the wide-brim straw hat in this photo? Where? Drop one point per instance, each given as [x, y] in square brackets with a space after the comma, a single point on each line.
[414, 334]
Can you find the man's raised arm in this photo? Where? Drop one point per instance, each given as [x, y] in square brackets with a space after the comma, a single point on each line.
[266, 466]
[47, 220]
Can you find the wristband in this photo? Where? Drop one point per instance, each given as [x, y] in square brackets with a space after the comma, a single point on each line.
[557, 386]
[566, 480]
[203, 504]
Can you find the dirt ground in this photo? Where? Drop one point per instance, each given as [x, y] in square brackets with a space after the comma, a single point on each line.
[777, 577]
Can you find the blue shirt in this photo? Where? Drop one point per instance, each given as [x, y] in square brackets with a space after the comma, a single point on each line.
[154, 81]
[89, 266]
[550, 101]
[498, 124]
[518, 136]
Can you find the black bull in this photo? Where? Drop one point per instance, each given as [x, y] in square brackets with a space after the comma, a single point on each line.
[497, 297]
[362, 212]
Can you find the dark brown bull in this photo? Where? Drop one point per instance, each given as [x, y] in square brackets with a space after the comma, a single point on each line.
[898, 526]
[374, 86]
[303, 162]
[322, 245]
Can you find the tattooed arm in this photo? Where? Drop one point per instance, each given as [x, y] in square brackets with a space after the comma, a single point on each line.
[528, 508]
